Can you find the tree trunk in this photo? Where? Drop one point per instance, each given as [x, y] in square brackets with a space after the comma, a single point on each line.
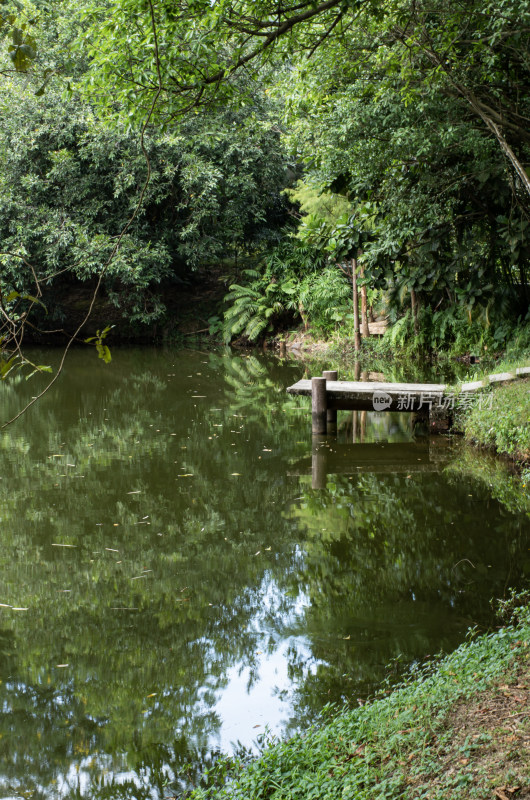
[365, 331]
[524, 287]
[356, 329]
[414, 305]
[305, 320]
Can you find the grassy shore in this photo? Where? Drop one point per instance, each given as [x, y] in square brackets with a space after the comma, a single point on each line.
[503, 423]
[458, 730]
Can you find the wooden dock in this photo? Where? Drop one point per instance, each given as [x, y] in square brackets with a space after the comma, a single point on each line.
[435, 401]
[329, 395]
[359, 395]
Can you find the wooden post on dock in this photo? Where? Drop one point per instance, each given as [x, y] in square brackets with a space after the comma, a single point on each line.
[319, 406]
[331, 416]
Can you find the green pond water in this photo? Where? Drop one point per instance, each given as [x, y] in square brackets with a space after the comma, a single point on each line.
[173, 585]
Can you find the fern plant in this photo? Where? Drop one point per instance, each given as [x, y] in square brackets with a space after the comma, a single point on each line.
[326, 298]
[254, 307]
[297, 281]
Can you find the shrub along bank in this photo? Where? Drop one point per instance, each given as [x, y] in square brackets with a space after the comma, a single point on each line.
[461, 729]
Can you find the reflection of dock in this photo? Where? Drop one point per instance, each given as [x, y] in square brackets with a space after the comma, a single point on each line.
[330, 458]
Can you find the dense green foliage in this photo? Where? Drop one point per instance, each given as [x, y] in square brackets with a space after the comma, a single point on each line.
[70, 184]
[418, 109]
[451, 216]
[408, 122]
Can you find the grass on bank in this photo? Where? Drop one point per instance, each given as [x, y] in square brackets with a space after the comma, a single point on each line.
[459, 730]
[502, 420]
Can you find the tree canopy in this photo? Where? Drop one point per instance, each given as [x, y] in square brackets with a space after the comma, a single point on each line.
[420, 108]
[414, 113]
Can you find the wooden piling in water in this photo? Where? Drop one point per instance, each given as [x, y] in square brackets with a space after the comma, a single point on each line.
[331, 415]
[319, 406]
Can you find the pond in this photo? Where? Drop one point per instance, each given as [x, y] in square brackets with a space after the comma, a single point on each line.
[172, 584]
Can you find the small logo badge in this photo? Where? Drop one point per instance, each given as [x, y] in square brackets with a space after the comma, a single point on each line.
[381, 400]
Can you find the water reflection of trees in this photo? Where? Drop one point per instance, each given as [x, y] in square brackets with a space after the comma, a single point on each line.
[175, 569]
[163, 589]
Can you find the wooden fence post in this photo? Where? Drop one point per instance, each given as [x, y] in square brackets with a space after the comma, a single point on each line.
[365, 330]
